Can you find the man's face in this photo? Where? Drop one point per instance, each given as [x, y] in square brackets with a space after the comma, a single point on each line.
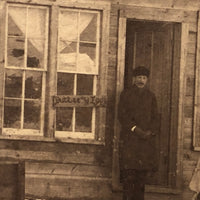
[140, 81]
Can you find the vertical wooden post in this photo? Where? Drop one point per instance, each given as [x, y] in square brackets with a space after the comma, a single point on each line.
[196, 123]
[178, 81]
[51, 73]
[2, 57]
[119, 88]
[103, 71]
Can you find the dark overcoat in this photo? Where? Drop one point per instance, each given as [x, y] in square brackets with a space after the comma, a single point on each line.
[138, 107]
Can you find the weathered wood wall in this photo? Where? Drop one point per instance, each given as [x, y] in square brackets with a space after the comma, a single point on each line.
[189, 157]
[75, 171]
[62, 170]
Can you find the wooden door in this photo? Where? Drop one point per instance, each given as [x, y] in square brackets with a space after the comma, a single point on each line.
[151, 44]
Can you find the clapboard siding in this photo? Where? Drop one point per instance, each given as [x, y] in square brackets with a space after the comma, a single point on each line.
[54, 186]
[189, 165]
[58, 157]
[58, 152]
[67, 169]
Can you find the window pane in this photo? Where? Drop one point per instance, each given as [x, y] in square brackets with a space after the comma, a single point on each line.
[89, 49]
[35, 53]
[86, 59]
[90, 30]
[16, 21]
[31, 115]
[36, 23]
[13, 83]
[68, 25]
[15, 52]
[67, 55]
[64, 119]
[36, 37]
[12, 113]
[84, 84]
[83, 119]
[33, 85]
[65, 84]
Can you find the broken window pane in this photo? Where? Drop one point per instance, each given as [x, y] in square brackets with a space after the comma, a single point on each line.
[33, 85]
[84, 84]
[13, 83]
[12, 113]
[36, 37]
[67, 55]
[16, 21]
[35, 53]
[15, 52]
[64, 119]
[89, 49]
[31, 115]
[83, 119]
[86, 58]
[65, 84]
[90, 31]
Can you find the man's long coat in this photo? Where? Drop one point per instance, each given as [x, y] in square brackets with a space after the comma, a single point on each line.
[138, 107]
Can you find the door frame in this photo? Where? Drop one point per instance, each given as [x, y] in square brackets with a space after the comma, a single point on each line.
[187, 19]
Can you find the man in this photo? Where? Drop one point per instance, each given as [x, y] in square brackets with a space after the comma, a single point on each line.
[137, 114]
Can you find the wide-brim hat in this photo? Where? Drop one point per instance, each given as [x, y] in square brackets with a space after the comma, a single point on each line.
[141, 71]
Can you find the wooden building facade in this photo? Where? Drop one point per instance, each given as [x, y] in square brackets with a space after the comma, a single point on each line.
[63, 64]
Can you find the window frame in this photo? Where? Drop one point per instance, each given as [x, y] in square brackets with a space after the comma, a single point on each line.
[24, 70]
[74, 133]
[49, 117]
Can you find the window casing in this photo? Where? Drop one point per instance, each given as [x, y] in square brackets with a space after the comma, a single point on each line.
[25, 69]
[77, 70]
[28, 71]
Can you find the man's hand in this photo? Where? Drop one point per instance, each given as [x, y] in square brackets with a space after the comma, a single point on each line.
[143, 134]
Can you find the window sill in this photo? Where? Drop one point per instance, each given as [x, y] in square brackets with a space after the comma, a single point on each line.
[45, 139]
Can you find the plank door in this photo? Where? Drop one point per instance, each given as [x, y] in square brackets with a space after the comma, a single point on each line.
[150, 44]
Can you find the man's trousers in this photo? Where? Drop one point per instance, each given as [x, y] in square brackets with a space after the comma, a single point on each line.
[133, 184]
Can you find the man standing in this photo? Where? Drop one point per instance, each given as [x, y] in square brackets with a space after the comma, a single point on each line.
[137, 114]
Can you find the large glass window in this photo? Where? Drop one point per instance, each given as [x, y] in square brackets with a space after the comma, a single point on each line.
[78, 63]
[25, 69]
[31, 81]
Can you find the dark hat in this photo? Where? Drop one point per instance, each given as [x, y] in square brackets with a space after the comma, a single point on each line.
[141, 70]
